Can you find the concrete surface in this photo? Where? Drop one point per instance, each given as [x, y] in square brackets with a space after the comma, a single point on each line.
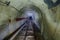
[50, 20]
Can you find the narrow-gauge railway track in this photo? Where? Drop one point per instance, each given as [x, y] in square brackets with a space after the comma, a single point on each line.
[25, 32]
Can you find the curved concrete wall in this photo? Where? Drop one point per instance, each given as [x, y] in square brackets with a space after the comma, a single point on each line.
[50, 20]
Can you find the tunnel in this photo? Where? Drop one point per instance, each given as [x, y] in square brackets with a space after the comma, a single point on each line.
[43, 15]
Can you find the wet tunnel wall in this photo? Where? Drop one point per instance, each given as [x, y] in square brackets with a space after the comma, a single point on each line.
[50, 19]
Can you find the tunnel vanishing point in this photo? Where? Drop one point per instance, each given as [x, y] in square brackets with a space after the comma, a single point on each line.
[29, 19]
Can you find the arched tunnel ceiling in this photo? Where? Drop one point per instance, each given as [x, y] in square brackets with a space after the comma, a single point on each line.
[51, 17]
[18, 4]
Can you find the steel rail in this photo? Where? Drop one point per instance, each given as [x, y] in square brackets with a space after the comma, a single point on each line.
[13, 35]
[25, 34]
[17, 33]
